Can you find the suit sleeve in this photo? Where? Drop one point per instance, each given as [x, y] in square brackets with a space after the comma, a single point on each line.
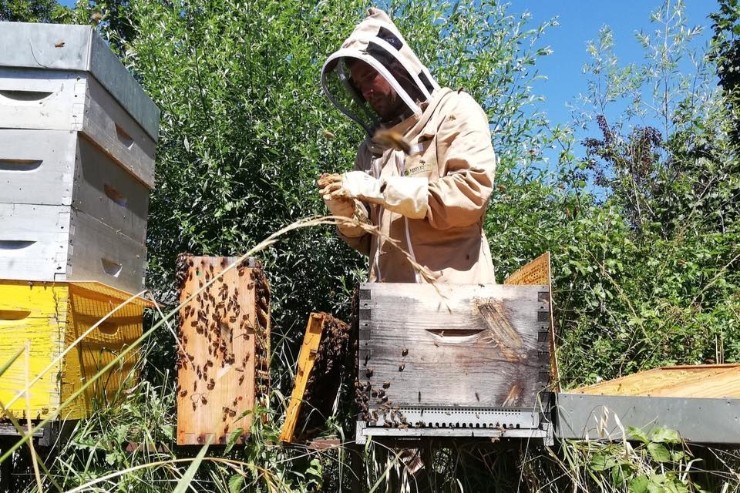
[467, 162]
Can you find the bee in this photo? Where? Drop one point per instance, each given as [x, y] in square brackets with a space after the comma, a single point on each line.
[404, 352]
[401, 367]
[393, 140]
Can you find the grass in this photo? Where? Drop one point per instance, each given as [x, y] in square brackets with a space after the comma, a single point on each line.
[127, 444]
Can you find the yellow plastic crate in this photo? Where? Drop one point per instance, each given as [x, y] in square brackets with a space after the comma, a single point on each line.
[48, 318]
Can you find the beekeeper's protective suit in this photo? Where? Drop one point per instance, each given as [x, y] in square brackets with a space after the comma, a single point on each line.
[432, 198]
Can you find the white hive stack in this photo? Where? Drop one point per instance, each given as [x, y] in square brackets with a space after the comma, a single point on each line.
[77, 143]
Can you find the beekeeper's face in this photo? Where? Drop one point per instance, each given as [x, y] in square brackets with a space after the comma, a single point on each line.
[376, 90]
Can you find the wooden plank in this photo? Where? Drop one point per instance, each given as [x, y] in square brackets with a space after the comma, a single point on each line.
[97, 252]
[322, 365]
[453, 346]
[306, 357]
[47, 243]
[42, 99]
[539, 271]
[51, 167]
[34, 241]
[223, 349]
[100, 347]
[111, 128]
[110, 194]
[75, 101]
[50, 317]
[33, 314]
[37, 166]
[705, 381]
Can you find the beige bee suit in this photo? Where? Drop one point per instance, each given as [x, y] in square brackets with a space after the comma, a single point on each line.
[440, 224]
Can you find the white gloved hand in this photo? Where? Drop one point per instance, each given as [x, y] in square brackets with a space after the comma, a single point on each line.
[406, 195]
[343, 206]
[360, 185]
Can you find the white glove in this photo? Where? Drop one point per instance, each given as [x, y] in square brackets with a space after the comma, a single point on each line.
[343, 206]
[360, 185]
[406, 195]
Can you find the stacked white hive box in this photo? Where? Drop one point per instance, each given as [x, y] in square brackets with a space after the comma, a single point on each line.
[77, 144]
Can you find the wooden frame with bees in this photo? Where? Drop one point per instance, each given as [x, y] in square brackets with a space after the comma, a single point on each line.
[223, 348]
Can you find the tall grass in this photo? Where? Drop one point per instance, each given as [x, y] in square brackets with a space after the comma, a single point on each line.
[127, 444]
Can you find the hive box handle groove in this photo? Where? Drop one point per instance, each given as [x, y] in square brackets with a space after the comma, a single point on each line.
[124, 137]
[455, 336]
[14, 314]
[115, 195]
[111, 268]
[108, 328]
[32, 96]
[15, 244]
[19, 164]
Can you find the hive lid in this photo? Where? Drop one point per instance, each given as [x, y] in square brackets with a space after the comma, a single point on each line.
[707, 381]
[70, 47]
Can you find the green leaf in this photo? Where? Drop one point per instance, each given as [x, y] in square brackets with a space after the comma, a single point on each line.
[236, 482]
[637, 434]
[659, 452]
[638, 484]
[184, 483]
[664, 435]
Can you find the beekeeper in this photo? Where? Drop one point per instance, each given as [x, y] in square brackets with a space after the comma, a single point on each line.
[423, 175]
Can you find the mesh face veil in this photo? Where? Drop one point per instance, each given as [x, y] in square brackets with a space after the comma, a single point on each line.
[376, 42]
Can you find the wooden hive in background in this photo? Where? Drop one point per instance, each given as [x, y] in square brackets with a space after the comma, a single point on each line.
[48, 318]
[322, 363]
[223, 348]
[77, 145]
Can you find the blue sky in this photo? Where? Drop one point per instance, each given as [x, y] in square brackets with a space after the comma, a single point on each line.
[579, 22]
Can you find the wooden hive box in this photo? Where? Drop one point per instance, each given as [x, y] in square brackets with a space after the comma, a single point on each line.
[69, 212]
[77, 145]
[64, 77]
[457, 357]
[223, 348]
[48, 318]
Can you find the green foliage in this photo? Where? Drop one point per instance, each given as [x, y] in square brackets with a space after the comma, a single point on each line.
[245, 133]
[649, 462]
[34, 11]
[646, 271]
